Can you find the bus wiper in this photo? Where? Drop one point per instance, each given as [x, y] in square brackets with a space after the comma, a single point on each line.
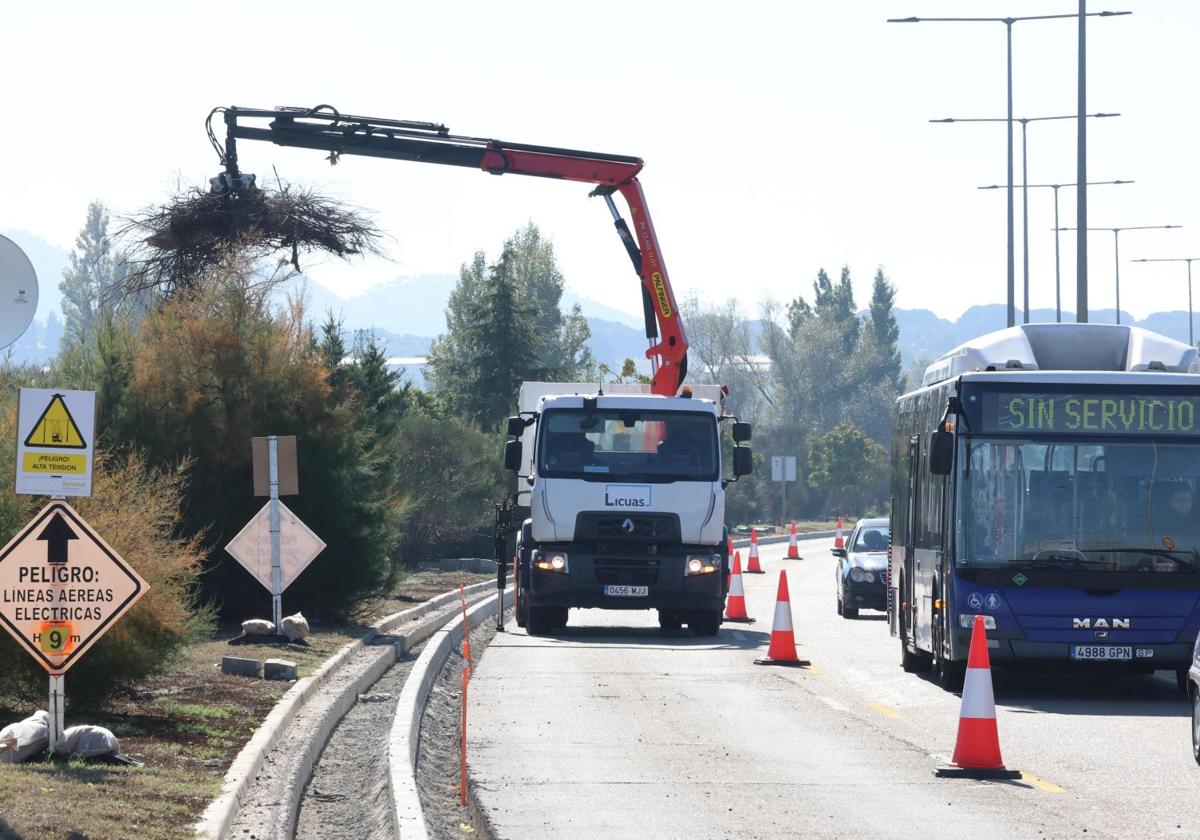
[1057, 559]
[1158, 552]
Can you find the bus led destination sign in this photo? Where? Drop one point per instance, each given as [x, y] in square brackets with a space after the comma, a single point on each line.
[1134, 414]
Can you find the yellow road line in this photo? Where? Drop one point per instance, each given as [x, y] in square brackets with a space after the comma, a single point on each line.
[1049, 787]
[815, 671]
[885, 711]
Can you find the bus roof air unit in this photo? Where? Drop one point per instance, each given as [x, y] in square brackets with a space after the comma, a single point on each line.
[1066, 347]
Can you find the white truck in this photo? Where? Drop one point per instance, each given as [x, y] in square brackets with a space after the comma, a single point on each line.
[625, 492]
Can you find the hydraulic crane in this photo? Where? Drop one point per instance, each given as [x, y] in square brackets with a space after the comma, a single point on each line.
[325, 129]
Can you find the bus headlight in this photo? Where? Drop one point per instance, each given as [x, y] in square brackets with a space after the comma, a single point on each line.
[860, 575]
[550, 561]
[966, 622]
[701, 564]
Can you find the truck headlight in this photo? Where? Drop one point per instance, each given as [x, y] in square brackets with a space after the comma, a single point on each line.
[966, 622]
[860, 575]
[701, 564]
[550, 561]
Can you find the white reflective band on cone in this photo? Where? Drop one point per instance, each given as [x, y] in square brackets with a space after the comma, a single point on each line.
[977, 700]
[783, 616]
[735, 586]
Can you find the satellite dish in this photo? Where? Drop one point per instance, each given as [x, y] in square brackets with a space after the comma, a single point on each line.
[18, 292]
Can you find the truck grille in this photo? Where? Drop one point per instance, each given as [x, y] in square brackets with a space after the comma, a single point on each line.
[659, 527]
[635, 571]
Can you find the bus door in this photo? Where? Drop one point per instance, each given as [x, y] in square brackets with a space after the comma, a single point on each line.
[908, 573]
[927, 543]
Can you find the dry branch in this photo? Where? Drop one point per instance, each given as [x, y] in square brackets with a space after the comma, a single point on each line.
[173, 245]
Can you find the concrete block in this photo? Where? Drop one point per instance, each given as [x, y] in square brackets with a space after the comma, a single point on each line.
[279, 669]
[238, 666]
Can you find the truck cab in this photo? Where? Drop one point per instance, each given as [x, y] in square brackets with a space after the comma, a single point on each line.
[626, 499]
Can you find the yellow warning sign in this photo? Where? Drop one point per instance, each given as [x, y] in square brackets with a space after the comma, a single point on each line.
[56, 428]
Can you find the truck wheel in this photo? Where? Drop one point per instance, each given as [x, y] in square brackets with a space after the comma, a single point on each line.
[558, 617]
[522, 610]
[539, 621]
[705, 623]
[669, 620]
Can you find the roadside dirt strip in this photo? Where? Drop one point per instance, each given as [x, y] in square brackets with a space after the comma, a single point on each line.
[261, 793]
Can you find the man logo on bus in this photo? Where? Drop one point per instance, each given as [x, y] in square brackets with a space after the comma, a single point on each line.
[992, 601]
[1099, 624]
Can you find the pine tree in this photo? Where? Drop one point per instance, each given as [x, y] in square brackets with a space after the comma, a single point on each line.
[883, 334]
[92, 273]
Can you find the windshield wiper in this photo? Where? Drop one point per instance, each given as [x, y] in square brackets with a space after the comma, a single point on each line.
[1157, 552]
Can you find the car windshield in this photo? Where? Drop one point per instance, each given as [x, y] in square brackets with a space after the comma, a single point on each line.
[1075, 504]
[629, 444]
[871, 538]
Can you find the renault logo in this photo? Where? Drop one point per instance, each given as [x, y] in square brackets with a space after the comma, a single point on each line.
[627, 526]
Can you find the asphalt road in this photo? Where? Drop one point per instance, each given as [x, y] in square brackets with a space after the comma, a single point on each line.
[613, 729]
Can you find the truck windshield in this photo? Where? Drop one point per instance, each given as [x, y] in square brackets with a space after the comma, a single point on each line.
[629, 444]
[1079, 504]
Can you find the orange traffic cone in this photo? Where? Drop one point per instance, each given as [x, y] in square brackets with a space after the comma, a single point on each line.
[753, 567]
[793, 549]
[838, 542]
[782, 650]
[735, 604]
[977, 750]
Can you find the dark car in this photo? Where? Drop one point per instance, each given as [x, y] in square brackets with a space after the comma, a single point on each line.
[861, 568]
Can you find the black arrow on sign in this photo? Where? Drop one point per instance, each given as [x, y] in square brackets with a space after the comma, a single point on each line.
[57, 534]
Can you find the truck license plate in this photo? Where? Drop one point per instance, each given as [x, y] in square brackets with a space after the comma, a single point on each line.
[622, 591]
[1101, 652]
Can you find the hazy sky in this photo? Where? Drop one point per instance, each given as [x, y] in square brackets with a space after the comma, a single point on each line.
[778, 137]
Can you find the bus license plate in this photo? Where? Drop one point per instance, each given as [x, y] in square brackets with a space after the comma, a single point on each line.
[1101, 652]
[622, 591]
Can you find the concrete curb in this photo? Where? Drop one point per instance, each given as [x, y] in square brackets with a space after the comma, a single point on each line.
[406, 728]
[218, 817]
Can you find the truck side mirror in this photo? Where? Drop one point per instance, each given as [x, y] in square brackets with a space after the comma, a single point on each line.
[741, 432]
[941, 451]
[743, 461]
[512, 455]
[516, 426]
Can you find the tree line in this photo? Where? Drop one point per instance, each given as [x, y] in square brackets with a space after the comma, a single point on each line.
[389, 474]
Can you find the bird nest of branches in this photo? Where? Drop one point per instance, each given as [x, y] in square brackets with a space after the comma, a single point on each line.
[172, 246]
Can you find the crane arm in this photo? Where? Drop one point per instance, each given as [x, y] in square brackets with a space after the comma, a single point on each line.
[325, 129]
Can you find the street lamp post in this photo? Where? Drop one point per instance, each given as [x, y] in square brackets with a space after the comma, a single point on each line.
[1008, 25]
[1024, 121]
[1189, 261]
[1116, 232]
[1057, 264]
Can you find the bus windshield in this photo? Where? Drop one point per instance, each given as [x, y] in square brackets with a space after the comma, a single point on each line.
[1071, 503]
[631, 444]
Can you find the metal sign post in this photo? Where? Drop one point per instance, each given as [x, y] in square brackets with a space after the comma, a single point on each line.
[276, 571]
[58, 687]
[783, 470]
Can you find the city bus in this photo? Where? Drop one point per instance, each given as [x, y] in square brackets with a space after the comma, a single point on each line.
[1047, 477]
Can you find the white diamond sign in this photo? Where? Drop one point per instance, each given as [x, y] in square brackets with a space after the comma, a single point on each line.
[298, 546]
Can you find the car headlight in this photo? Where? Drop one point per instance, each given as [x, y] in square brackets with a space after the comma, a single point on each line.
[966, 622]
[860, 575]
[550, 561]
[701, 564]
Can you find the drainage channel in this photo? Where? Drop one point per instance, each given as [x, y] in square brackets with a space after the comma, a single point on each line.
[310, 786]
[438, 768]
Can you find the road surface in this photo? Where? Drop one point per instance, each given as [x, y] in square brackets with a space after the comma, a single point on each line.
[613, 729]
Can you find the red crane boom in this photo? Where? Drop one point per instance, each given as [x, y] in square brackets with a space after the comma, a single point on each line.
[326, 129]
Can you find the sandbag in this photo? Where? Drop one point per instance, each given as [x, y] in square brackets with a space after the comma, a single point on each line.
[258, 627]
[295, 627]
[25, 739]
[87, 742]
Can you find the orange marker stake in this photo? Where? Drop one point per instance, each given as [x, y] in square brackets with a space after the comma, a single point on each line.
[463, 739]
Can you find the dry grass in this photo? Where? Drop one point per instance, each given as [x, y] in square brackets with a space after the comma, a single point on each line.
[186, 725]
